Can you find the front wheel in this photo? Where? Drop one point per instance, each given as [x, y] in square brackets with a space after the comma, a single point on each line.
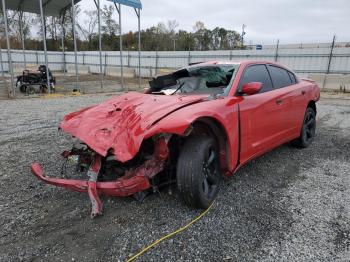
[198, 171]
[308, 130]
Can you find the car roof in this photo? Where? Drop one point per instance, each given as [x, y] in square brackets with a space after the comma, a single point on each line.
[237, 62]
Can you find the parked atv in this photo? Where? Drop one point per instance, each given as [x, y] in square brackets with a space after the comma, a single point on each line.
[35, 82]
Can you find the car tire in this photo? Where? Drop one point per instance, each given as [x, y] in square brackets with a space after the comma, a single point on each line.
[308, 130]
[23, 88]
[198, 171]
[30, 90]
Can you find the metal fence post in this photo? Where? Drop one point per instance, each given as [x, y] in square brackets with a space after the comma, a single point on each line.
[2, 66]
[330, 55]
[277, 46]
[230, 54]
[156, 71]
[2, 69]
[128, 58]
[329, 63]
[105, 71]
[189, 56]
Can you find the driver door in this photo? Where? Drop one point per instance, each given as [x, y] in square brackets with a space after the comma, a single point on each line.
[260, 114]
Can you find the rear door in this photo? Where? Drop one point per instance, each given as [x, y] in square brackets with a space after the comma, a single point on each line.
[261, 115]
[292, 97]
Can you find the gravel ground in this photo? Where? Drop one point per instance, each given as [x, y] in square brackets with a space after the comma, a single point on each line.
[288, 205]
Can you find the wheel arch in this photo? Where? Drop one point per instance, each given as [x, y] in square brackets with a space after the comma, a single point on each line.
[213, 127]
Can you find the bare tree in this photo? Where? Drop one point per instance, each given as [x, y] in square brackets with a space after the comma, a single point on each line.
[199, 25]
[172, 25]
[161, 28]
[89, 29]
[110, 26]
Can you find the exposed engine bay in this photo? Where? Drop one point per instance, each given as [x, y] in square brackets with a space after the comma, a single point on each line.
[136, 177]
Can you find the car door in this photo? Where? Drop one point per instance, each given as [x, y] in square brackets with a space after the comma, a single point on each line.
[261, 115]
[292, 98]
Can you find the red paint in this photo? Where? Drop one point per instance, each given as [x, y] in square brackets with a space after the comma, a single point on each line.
[253, 125]
[122, 122]
[134, 180]
[121, 187]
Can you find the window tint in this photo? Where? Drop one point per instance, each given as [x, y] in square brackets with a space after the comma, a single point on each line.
[257, 73]
[280, 77]
[292, 78]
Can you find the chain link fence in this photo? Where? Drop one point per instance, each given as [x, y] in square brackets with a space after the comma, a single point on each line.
[304, 61]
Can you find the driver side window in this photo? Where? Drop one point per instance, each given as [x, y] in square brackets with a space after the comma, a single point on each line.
[257, 73]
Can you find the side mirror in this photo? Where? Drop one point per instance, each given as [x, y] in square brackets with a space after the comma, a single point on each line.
[251, 88]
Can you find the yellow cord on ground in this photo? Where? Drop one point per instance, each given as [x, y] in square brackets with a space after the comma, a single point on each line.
[169, 235]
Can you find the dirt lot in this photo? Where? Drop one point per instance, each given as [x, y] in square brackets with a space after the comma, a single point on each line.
[88, 84]
[288, 205]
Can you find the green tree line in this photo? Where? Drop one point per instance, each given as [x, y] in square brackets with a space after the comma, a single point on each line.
[161, 37]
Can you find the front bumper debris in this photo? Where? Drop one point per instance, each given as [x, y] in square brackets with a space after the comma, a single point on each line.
[134, 180]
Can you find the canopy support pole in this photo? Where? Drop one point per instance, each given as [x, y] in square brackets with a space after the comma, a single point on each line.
[138, 13]
[63, 36]
[22, 38]
[2, 69]
[100, 39]
[11, 90]
[45, 48]
[75, 47]
[2, 66]
[120, 43]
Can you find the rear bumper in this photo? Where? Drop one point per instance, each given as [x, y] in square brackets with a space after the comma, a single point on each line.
[121, 187]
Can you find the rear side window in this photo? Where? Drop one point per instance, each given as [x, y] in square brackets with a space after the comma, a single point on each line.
[280, 77]
[292, 78]
[257, 73]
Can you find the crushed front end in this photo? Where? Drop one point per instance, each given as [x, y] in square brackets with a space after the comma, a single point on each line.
[106, 175]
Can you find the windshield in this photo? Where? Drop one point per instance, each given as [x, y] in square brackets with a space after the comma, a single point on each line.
[202, 79]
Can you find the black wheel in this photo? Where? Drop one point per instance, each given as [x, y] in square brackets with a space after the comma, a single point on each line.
[43, 89]
[23, 88]
[198, 171]
[307, 133]
[30, 90]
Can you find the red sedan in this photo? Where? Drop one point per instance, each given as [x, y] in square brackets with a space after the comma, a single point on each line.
[192, 126]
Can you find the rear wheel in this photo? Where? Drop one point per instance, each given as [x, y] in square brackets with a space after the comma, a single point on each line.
[307, 133]
[198, 171]
[30, 90]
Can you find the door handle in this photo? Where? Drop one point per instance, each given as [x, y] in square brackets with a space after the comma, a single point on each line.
[303, 92]
[279, 101]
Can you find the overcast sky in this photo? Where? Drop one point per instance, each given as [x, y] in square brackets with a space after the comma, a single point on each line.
[292, 21]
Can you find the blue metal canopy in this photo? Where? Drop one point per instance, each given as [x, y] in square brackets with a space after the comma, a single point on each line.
[132, 3]
[50, 7]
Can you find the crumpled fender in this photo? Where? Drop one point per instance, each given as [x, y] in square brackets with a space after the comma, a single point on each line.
[223, 111]
[121, 123]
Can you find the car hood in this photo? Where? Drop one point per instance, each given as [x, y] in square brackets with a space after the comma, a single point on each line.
[122, 122]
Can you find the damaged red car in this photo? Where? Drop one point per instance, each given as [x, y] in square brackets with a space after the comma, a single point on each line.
[191, 127]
